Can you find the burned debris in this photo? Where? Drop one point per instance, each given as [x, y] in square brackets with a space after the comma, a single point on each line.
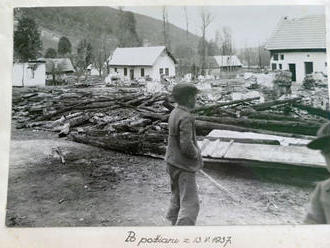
[132, 120]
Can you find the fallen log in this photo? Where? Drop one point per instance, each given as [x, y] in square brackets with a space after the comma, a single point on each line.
[154, 116]
[110, 142]
[218, 105]
[168, 105]
[272, 116]
[313, 110]
[279, 126]
[204, 127]
[267, 105]
[79, 120]
[102, 103]
[129, 143]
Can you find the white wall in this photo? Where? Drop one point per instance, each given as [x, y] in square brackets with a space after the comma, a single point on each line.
[163, 61]
[137, 71]
[298, 58]
[29, 77]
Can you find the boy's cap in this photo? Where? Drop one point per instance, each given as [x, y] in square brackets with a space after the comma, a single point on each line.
[323, 138]
[183, 89]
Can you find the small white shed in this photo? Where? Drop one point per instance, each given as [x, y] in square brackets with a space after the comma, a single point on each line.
[29, 74]
[142, 62]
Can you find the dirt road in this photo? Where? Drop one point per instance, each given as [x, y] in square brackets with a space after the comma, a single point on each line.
[105, 188]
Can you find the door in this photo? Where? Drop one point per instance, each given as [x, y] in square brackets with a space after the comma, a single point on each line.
[308, 68]
[292, 69]
[273, 67]
[131, 74]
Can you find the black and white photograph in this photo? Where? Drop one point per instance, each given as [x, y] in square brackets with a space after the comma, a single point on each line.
[169, 116]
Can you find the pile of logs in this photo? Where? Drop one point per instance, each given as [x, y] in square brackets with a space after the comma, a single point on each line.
[133, 121]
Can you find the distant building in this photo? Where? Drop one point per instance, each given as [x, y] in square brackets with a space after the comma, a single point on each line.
[299, 45]
[142, 62]
[58, 67]
[32, 73]
[92, 70]
[222, 65]
[61, 65]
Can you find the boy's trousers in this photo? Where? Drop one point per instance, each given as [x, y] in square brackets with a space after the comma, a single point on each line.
[184, 205]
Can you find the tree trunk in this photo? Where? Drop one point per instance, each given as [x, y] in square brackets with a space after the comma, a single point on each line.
[313, 111]
[267, 105]
[204, 127]
[218, 105]
[279, 126]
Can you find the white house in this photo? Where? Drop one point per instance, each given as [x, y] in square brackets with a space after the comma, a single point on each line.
[223, 63]
[299, 45]
[92, 70]
[32, 73]
[142, 62]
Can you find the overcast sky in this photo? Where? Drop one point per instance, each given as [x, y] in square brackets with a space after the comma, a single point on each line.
[250, 25]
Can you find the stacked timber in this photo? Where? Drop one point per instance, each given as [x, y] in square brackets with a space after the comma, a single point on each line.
[133, 121]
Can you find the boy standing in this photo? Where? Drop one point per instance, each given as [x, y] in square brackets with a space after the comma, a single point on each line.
[183, 157]
[319, 212]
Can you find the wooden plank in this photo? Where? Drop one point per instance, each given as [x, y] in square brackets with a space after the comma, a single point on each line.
[243, 140]
[224, 135]
[294, 155]
[212, 163]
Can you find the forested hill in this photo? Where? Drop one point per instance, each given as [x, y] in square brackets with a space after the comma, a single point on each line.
[78, 23]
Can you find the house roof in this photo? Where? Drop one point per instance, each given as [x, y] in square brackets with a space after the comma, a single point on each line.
[137, 56]
[61, 64]
[226, 60]
[303, 33]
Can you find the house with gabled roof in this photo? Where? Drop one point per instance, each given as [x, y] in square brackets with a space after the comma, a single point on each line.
[142, 62]
[299, 45]
[223, 64]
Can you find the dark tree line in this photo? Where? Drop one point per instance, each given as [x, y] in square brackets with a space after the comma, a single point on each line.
[126, 30]
[27, 42]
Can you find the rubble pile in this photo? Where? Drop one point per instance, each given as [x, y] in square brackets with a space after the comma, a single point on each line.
[134, 121]
[120, 119]
[315, 91]
[282, 83]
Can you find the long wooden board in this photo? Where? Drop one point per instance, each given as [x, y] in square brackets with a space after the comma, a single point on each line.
[284, 141]
[292, 155]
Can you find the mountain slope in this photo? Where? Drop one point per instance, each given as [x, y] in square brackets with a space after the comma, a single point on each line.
[82, 22]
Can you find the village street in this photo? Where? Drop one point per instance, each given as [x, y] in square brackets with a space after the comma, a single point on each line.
[96, 187]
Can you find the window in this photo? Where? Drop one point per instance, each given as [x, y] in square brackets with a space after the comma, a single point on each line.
[280, 66]
[274, 67]
[308, 68]
[161, 71]
[115, 69]
[125, 71]
[167, 72]
[142, 72]
[275, 56]
[282, 56]
[326, 64]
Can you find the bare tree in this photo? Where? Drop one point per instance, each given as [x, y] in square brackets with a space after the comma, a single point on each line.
[166, 32]
[187, 21]
[103, 48]
[206, 19]
[227, 46]
[247, 55]
[259, 56]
